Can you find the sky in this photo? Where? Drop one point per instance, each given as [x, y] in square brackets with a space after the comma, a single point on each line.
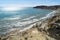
[27, 3]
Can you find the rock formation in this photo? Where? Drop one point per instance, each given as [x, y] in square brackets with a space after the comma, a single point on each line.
[47, 29]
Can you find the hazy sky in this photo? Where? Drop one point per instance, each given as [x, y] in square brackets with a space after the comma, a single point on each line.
[28, 2]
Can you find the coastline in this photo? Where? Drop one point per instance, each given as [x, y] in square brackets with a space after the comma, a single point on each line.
[38, 29]
[30, 26]
[54, 7]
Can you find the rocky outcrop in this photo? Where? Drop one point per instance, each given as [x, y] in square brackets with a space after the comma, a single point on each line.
[47, 29]
[48, 7]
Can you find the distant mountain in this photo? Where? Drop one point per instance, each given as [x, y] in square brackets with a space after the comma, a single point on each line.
[48, 7]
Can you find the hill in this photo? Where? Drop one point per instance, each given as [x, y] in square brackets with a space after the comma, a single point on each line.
[48, 7]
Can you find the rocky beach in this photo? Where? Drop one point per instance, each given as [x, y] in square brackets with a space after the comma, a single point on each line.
[48, 28]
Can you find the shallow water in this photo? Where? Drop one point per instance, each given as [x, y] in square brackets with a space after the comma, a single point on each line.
[20, 18]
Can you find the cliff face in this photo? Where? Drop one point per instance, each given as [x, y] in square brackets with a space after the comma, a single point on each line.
[46, 29]
[48, 7]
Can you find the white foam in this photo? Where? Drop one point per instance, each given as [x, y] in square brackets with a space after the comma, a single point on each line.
[34, 20]
[12, 18]
[29, 18]
[48, 15]
[43, 18]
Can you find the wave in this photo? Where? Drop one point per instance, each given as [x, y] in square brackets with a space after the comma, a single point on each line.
[39, 21]
[17, 24]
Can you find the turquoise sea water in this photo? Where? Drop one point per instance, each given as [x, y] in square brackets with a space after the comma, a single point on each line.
[20, 18]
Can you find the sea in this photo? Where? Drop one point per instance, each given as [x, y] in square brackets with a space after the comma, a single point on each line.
[20, 18]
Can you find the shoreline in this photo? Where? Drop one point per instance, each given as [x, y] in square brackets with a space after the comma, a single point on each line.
[54, 7]
[30, 26]
[35, 31]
